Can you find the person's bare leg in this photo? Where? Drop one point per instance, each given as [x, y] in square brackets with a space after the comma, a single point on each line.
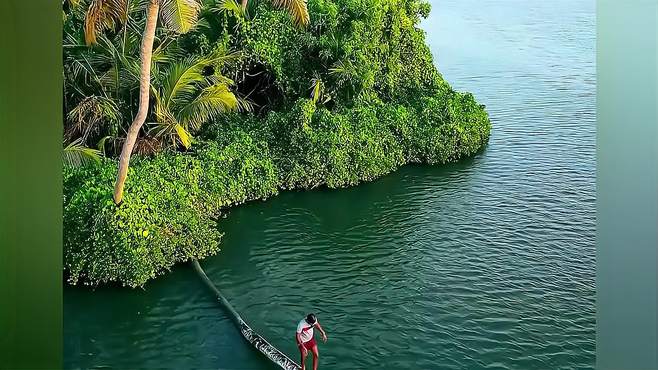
[316, 355]
[303, 358]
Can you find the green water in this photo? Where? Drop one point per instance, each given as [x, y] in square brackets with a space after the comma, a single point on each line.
[487, 263]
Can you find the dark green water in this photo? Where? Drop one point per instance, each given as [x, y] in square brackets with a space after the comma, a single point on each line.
[487, 263]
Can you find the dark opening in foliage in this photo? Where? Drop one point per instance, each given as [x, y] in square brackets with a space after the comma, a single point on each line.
[259, 86]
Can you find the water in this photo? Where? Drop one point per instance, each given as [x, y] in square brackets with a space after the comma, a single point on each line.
[487, 263]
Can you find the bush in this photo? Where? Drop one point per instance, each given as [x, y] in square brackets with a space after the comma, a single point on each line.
[162, 220]
[240, 171]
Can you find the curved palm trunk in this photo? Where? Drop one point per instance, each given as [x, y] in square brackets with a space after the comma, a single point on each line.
[244, 4]
[144, 88]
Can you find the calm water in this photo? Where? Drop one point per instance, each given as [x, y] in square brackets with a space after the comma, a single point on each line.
[488, 263]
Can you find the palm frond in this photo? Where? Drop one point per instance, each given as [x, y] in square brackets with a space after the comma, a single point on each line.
[170, 134]
[316, 87]
[167, 51]
[190, 92]
[244, 104]
[103, 141]
[183, 79]
[184, 136]
[167, 127]
[231, 7]
[212, 100]
[169, 130]
[180, 15]
[162, 113]
[122, 57]
[345, 71]
[296, 8]
[87, 117]
[102, 15]
[77, 154]
[341, 68]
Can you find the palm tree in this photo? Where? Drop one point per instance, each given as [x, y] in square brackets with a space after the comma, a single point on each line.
[146, 52]
[297, 9]
[177, 15]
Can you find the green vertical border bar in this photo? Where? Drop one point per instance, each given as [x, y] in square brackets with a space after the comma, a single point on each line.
[627, 186]
[31, 185]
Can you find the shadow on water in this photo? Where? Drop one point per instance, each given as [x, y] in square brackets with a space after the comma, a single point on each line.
[336, 208]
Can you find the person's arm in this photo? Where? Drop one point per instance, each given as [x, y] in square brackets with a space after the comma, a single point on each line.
[324, 335]
[299, 343]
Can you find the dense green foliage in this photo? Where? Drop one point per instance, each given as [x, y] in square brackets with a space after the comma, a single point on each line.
[348, 99]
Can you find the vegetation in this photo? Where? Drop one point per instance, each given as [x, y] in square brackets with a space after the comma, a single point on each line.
[252, 100]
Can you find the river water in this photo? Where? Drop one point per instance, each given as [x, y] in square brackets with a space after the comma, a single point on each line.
[487, 263]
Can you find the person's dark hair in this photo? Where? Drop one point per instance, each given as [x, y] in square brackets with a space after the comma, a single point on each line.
[311, 319]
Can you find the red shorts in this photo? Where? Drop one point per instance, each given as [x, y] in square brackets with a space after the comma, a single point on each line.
[310, 344]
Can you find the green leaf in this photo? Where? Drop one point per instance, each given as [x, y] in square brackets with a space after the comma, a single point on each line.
[77, 154]
[179, 15]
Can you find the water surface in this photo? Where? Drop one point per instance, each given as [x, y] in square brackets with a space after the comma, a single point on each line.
[487, 263]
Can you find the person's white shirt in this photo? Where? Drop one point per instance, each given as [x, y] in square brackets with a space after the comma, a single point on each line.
[305, 331]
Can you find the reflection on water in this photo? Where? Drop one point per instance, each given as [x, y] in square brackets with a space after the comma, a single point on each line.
[487, 263]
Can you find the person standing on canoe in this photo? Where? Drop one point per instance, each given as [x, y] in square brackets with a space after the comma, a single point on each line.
[306, 341]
